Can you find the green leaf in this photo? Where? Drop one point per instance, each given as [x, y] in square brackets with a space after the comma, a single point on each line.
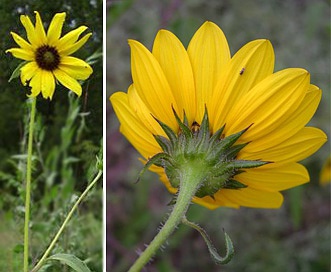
[70, 160]
[156, 159]
[212, 250]
[99, 157]
[96, 56]
[19, 248]
[171, 135]
[164, 143]
[234, 184]
[17, 71]
[70, 260]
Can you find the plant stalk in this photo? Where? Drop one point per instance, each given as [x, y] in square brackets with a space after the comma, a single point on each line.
[189, 184]
[28, 187]
[65, 222]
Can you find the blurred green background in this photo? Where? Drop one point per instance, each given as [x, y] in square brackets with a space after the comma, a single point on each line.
[295, 237]
[67, 139]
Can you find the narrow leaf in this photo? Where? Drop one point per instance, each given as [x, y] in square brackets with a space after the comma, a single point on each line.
[227, 142]
[212, 250]
[71, 260]
[234, 184]
[156, 159]
[172, 136]
[216, 136]
[164, 143]
[239, 164]
[16, 73]
[234, 150]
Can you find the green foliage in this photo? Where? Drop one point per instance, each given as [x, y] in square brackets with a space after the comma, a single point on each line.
[72, 261]
[59, 174]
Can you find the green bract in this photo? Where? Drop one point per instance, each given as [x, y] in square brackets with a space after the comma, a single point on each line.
[197, 146]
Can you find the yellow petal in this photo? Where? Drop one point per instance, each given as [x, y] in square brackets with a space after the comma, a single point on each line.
[264, 184]
[142, 112]
[55, 28]
[269, 104]
[68, 82]
[69, 39]
[251, 64]
[209, 52]
[35, 84]
[135, 131]
[21, 42]
[28, 71]
[21, 53]
[152, 85]
[291, 125]
[274, 177]
[250, 197]
[300, 146]
[68, 50]
[30, 30]
[40, 31]
[325, 174]
[175, 63]
[76, 68]
[47, 84]
[206, 201]
[210, 203]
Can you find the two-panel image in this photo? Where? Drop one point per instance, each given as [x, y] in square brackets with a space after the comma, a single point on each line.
[179, 136]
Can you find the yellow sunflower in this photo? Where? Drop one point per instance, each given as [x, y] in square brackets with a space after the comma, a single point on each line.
[240, 93]
[48, 57]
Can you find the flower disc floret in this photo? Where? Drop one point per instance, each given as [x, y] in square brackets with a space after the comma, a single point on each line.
[47, 57]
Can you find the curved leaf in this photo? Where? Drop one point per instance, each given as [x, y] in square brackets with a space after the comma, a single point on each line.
[70, 260]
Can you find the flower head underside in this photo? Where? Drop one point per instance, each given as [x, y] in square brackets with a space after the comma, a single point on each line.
[241, 93]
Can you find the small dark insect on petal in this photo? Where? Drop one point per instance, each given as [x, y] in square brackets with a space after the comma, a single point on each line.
[242, 71]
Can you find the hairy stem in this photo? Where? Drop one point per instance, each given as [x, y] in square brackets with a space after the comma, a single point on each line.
[28, 187]
[189, 184]
[65, 222]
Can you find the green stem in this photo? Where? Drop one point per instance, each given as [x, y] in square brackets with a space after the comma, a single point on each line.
[28, 187]
[56, 237]
[189, 184]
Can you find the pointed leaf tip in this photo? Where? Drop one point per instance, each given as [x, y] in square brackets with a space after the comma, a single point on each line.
[71, 260]
[212, 250]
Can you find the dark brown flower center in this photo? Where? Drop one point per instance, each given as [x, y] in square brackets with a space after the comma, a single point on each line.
[47, 57]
